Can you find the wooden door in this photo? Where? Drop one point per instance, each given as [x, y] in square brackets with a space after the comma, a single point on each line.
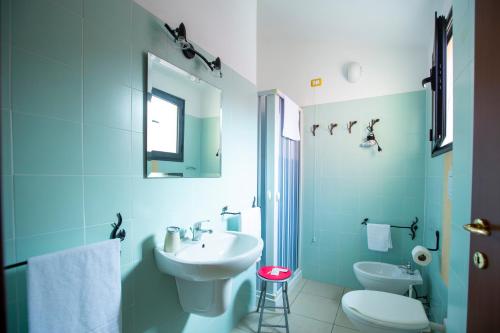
[484, 284]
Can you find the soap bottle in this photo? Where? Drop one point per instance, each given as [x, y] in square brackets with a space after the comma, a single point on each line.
[172, 239]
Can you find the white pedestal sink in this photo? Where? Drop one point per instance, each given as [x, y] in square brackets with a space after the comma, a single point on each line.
[203, 269]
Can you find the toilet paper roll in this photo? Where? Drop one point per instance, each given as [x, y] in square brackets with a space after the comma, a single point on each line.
[421, 256]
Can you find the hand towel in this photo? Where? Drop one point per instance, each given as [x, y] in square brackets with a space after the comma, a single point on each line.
[291, 120]
[379, 237]
[76, 290]
[250, 221]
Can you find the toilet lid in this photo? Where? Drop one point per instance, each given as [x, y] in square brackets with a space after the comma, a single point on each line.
[386, 309]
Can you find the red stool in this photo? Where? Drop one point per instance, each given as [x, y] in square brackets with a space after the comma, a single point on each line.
[265, 275]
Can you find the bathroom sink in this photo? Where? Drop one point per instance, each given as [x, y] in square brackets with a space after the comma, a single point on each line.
[220, 255]
[203, 270]
[385, 277]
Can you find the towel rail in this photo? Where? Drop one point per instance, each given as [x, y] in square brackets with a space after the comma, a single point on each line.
[413, 227]
[115, 233]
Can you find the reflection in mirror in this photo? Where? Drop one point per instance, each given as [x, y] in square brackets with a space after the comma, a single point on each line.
[183, 123]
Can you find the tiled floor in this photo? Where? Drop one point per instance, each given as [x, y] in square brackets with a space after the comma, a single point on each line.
[315, 308]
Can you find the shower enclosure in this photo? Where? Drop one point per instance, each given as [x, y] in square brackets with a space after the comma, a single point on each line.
[279, 186]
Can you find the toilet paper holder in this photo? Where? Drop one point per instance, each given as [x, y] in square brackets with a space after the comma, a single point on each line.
[437, 243]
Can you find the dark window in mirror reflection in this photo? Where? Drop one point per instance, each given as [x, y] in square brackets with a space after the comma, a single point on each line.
[165, 127]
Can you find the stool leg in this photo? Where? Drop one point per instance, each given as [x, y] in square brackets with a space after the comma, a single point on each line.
[287, 300]
[285, 306]
[260, 296]
[264, 288]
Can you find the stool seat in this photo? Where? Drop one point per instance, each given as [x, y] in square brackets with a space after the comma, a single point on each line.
[283, 273]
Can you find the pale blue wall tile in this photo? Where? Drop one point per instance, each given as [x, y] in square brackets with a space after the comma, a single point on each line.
[6, 143]
[54, 89]
[137, 154]
[46, 146]
[107, 151]
[47, 243]
[457, 303]
[5, 26]
[76, 6]
[97, 12]
[7, 208]
[138, 107]
[107, 103]
[46, 29]
[106, 196]
[47, 204]
[105, 56]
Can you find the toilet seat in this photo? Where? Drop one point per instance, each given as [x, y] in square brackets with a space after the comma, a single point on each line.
[385, 309]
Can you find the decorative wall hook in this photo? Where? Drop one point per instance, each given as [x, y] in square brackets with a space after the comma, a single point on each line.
[372, 123]
[350, 125]
[331, 127]
[116, 233]
[314, 128]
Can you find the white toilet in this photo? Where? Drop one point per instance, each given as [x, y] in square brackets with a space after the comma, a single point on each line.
[380, 312]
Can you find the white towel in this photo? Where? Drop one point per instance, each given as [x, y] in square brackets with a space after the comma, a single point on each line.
[291, 120]
[250, 221]
[76, 290]
[379, 237]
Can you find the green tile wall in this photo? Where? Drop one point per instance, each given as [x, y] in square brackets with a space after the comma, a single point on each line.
[434, 285]
[463, 71]
[73, 75]
[344, 183]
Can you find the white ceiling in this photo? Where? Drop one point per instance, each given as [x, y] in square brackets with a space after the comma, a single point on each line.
[301, 40]
[382, 22]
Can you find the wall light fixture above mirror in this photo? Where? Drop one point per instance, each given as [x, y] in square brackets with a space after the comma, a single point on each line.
[182, 124]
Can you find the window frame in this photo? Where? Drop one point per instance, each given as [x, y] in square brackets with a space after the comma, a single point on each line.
[439, 84]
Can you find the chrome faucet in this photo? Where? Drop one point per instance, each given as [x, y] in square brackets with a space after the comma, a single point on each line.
[408, 268]
[197, 231]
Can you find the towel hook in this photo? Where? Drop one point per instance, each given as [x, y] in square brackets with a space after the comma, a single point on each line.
[116, 233]
[331, 127]
[314, 128]
[350, 125]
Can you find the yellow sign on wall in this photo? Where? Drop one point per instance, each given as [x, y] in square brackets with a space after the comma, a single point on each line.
[316, 82]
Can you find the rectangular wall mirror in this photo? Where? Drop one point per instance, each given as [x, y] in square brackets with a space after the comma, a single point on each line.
[182, 124]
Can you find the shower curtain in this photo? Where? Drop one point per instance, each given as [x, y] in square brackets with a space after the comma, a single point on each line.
[288, 213]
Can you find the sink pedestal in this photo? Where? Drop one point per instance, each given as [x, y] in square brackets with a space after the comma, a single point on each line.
[205, 298]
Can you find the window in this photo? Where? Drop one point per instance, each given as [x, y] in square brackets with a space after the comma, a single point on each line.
[165, 129]
[441, 80]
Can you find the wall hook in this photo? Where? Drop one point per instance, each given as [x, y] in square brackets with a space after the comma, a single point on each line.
[372, 123]
[331, 127]
[115, 233]
[350, 125]
[314, 128]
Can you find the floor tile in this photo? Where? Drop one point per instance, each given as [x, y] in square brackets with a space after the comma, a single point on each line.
[342, 319]
[315, 307]
[251, 322]
[237, 330]
[340, 329]
[323, 289]
[300, 324]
